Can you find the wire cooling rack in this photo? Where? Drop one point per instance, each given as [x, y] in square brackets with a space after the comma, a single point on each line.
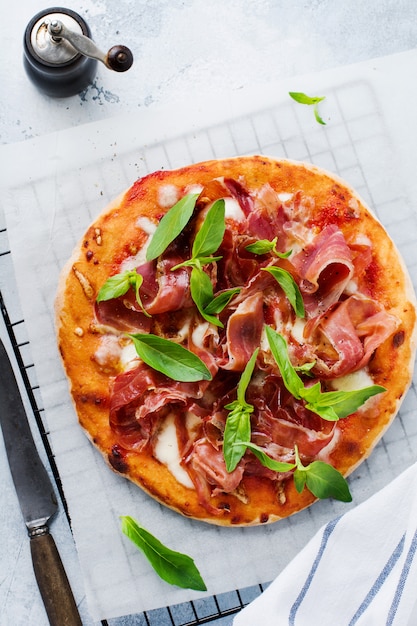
[218, 609]
[356, 126]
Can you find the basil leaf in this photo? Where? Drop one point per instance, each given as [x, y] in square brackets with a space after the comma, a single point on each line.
[299, 477]
[324, 481]
[173, 567]
[170, 358]
[245, 379]
[210, 235]
[325, 412]
[302, 98]
[237, 434]
[115, 286]
[275, 466]
[196, 262]
[202, 294]
[221, 301]
[137, 286]
[345, 403]
[279, 350]
[263, 246]
[201, 288]
[290, 288]
[237, 431]
[203, 297]
[305, 368]
[119, 284]
[317, 116]
[171, 225]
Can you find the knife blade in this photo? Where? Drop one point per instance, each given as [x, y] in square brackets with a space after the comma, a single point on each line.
[36, 499]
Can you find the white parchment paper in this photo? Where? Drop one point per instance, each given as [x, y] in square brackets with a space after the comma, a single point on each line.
[54, 186]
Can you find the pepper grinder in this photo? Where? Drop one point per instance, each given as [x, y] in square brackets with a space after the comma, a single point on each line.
[60, 57]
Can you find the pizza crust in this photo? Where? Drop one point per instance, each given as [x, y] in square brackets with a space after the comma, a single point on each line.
[114, 236]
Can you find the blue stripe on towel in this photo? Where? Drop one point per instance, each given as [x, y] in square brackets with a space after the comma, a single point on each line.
[379, 581]
[400, 587]
[326, 535]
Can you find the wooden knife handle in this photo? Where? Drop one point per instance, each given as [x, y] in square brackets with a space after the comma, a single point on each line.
[53, 582]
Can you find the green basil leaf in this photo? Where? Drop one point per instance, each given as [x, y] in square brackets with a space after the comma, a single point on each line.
[173, 567]
[245, 378]
[221, 301]
[171, 225]
[210, 235]
[279, 350]
[237, 434]
[283, 255]
[170, 358]
[311, 393]
[205, 260]
[119, 284]
[325, 412]
[299, 477]
[319, 119]
[302, 98]
[237, 431]
[275, 466]
[115, 286]
[290, 288]
[201, 288]
[324, 481]
[197, 262]
[305, 368]
[137, 286]
[202, 294]
[263, 246]
[345, 403]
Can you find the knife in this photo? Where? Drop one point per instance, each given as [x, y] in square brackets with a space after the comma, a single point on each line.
[37, 500]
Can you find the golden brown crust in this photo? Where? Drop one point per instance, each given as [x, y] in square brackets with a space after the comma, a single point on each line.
[115, 236]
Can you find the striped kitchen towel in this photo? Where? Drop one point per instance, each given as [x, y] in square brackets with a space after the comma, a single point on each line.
[358, 570]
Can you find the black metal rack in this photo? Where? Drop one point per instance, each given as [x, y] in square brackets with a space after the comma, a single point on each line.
[192, 613]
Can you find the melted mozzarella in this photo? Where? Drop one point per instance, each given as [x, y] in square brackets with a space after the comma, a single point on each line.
[168, 195]
[351, 287]
[129, 356]
[167, 452]
[199, 334]
[109, 351]
[363, 240]
[285, 196]
[233, 210]
[353, 381]
[297, 330]
[193, 423]
[148, 227]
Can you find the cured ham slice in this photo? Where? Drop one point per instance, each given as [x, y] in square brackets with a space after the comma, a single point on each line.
[207, 469]
[137, 397]
[325, 267]
[345, 337]
[120, 315]
[244, 332]
[162, 289]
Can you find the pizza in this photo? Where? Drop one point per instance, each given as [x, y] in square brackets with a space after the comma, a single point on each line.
[225, 325]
